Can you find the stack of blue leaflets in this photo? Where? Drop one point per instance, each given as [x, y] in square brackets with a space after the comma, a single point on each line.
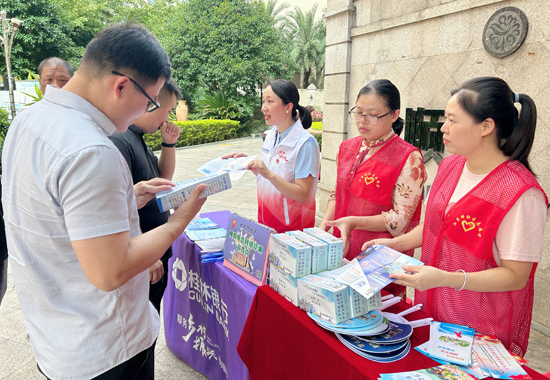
[211, 257]
[372, 336]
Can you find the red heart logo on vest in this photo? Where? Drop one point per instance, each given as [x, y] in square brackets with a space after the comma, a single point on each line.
[369, 180]
[468, 225]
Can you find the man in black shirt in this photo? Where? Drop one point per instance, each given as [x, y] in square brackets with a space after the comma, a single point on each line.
[144, 165]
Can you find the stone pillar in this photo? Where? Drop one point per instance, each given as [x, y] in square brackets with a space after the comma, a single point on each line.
[340, 18]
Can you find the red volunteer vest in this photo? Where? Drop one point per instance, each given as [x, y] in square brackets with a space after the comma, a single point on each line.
[369, 190]
[463, 239]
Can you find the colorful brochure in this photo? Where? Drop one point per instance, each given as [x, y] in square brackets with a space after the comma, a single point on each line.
[246, 249]
[496, 359]
[476, 370]
[442, 372]
[174, 197]
[451, 343]
[372, 272]
[235, 167]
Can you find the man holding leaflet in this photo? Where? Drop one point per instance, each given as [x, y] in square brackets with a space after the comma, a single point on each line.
[79, 260]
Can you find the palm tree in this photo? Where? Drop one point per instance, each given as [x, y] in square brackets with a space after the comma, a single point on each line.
[307, 37]
[277, 11]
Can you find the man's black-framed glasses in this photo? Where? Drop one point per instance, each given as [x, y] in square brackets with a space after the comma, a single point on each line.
[151, 105]
[371, 119]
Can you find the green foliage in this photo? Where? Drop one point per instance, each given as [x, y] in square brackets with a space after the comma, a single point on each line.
[227, 45]
[318, 126]
[4, 125]
[198, 132]
[308, 40]
[36, 97]
[219, 106]
[44, 33]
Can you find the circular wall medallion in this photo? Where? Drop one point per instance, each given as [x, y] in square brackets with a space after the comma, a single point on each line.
[505, 31]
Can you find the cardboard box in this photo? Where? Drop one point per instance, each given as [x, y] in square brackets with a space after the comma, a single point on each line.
[289, 254]
[335, 246]
[319, 250]
[325, 298]
[284, 284]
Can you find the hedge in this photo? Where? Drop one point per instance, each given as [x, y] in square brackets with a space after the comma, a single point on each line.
[318, 126]
[198, 132]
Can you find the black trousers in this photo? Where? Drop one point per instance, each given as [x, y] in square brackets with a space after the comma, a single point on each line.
[139, 367]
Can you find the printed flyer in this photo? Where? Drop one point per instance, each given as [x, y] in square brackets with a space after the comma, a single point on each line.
[496, 359]
[235, 167]
[451, 343]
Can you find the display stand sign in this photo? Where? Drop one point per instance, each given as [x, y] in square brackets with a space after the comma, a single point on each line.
[246, 249]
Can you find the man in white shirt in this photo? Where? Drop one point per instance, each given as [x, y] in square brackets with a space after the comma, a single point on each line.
[79, 261]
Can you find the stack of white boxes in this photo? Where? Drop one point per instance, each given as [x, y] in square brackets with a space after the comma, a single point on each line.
[301, 270]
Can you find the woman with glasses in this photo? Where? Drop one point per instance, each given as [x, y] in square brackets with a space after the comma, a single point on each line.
[380, 177]
[289, 167]
[483, 232]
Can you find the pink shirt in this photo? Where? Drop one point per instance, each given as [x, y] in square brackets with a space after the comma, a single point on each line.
[520, 234]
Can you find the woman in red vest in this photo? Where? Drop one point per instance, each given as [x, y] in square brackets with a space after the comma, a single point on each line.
[380, 177]
[485, 216]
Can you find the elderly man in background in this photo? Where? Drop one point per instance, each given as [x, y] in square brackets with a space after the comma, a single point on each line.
[54, 72]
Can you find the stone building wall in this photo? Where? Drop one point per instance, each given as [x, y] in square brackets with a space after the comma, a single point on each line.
[427, 48]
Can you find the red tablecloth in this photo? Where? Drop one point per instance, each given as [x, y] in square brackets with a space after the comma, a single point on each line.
[280, 341]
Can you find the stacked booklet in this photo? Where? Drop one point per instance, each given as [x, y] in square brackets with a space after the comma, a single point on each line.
[372, 336]
[480, 356]
[209, 236]
[174, 197]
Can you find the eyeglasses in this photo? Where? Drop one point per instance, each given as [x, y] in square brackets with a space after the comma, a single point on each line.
[371, 119]
[151, 105]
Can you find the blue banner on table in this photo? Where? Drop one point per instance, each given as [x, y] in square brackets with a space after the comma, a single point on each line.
[205, 308]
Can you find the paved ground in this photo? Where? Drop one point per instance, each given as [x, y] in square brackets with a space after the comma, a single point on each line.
[16, 359]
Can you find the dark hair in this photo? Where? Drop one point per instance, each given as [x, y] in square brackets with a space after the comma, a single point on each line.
[170, 88]
[491, 98]
[129, 49]
[54, 61]
[287, 91]
[310, 109]
[390, 94]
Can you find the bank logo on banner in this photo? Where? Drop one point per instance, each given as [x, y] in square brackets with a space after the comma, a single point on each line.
[179, 281]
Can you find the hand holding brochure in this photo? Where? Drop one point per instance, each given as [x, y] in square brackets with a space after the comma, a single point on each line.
[174, 197]
[372, 272]
[235, 167]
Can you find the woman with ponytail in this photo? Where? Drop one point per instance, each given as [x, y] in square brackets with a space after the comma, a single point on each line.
[288, 170]
[380, 177]
[483, 232]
